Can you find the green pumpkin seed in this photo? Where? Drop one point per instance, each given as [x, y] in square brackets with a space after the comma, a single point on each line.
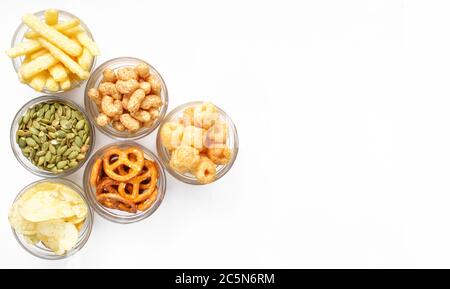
[61, 150]
[72, 155]
[22, 142]
[78, 141]
[31, 142]
[41, 161]
[34, 131]
[48, 156]
[80, 125]
[61, 164]
[60, 134]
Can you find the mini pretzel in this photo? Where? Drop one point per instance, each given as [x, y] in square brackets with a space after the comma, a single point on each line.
[97, 171]
[116, 201]
[132, 158]
[148, 202]
[107, 185]
[150, 172]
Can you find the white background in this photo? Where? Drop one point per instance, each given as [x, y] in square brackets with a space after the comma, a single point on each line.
[343, 114]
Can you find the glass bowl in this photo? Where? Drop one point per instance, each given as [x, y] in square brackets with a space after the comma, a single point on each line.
[232, 143]
[19, 36]
[25, 162]
[39, 250]
[118, 216]
[91, 107]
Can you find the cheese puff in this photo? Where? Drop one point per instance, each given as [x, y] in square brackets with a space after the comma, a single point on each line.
[188, 116]
[217, 134]
[205, 171]
[194, 137]
[219, 154]
[171, 135]
[205, 115]
[184, 159]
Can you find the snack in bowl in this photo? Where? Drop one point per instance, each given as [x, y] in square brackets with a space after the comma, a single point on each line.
[197, 142]
[128, 98]
[124, 179]
[55, 54]
[54, 136]
[51, 213]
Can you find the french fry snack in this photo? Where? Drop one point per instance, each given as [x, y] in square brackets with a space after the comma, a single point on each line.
[51, 16]
[56, 43]
[24, 48]
[52, 35]
[65, 59]
[61, 27]
[37, 65]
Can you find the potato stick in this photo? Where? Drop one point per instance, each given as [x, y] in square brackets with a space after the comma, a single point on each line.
[51, 84]
[38, 81]
[23, 48]
[61, 27]
[52, 35]
[58, 72]
[87, 42]
[37, 65]
[38, 53]
[73, 31]
[85, 59]
[51, 16]
[65, 59]
[65, 84]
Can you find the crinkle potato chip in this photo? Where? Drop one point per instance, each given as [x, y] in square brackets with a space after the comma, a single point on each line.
[51, 213]
[58, 235]
[52, 201]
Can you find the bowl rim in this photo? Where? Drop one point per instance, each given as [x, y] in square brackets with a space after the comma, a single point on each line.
[163, 152]
[89, 106]
[90, 215]
[106, 212]
[17, 61]
[15, 147]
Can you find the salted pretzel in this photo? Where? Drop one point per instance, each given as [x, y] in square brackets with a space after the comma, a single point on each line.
[116, 201]
[97, 172]
[149, 175]
[131, 158]
[148, 202]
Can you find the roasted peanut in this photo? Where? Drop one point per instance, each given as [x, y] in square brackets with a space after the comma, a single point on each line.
[146, 86]
[142, 70]
[125, 100]
[142, 116]
[135, 100]
[102, 119]
[128, 86]
[109, 75]
[109, 88]
[111, 107]
[156, 86]
[94, 95]
[151, 101]
[154, 113]
[127, 73]
[118, 125]
[129, 122]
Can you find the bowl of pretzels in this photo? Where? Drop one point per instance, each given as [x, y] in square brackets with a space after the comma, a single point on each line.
[124, 182]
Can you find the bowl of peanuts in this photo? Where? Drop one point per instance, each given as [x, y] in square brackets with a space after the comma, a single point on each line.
[126, 98]
[197, 143]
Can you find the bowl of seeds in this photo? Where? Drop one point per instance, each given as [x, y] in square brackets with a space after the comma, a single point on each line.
[51, 136]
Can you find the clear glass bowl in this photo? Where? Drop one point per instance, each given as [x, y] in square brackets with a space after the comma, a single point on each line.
[39, 250]
[232, 142]
[118, 216]
[19, 36]
[26, 163]
[91, 107]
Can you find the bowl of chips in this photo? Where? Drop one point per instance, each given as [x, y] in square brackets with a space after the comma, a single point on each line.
[51, 219]
[53, 51]
[124, 182]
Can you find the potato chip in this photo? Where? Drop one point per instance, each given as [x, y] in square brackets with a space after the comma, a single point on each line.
[58, 235]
